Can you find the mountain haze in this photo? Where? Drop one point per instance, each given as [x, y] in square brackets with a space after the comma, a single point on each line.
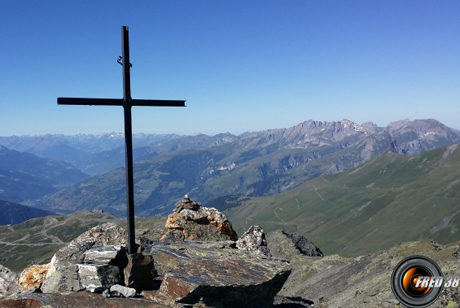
[252, 164]
[106, 161]
[24, 176]
[88, 153]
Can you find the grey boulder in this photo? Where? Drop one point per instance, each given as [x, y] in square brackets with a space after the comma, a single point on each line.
[253, 241]
[98, 276]
[8, 282]
[118, 290]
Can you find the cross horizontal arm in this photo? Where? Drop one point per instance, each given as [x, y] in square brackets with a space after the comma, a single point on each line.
[90, 101]
[157, 103]
[119, 102]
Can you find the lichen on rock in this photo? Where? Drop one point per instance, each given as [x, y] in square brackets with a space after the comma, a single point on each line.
[33, 276]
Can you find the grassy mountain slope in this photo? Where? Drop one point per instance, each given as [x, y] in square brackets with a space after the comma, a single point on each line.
[11, 213]
[388, 200]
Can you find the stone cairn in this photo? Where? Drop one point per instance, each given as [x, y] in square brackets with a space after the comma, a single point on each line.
[191, 221]
[186, 203]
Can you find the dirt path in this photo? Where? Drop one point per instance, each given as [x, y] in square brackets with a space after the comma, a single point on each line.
[274, 211]
[316, 191]
[23, 238]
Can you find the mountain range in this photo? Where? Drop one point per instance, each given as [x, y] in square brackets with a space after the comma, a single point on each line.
[252, 164]
[79, 149]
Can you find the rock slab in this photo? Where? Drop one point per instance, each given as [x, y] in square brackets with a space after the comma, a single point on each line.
[216, 274]
[111, 254]
[97, 276]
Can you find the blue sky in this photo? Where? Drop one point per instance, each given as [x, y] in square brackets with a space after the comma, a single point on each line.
[241, 65]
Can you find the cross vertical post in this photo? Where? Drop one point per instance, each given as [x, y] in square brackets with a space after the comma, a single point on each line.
[127, 103]
[128, 139]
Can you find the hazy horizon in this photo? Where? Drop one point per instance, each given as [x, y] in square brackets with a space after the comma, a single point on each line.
[199, 133]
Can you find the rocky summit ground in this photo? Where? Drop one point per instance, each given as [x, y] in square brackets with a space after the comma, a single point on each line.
[179, 273]
[364, 281]
[216, 273]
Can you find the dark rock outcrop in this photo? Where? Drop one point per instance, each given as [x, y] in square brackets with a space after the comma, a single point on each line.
[216, 274]
[253, 241]
[292, 302]
[286, 246]
[191, 221]
[139, 271]
[456, 253]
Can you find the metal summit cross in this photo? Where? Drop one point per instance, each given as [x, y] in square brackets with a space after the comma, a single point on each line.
[127, 102]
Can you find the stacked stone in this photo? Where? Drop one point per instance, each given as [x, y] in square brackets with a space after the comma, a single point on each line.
[186, 203]
[191, 221]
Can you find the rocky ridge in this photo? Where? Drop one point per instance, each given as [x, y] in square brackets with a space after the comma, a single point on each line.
[177, 274]
[364, 281]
